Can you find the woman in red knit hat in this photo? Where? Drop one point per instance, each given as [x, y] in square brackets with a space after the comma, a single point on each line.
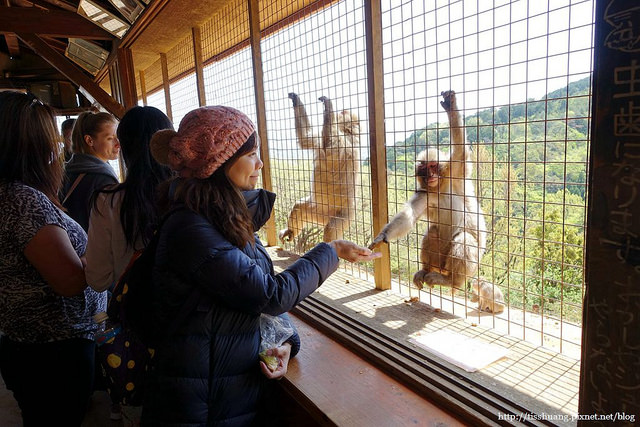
[209, 372]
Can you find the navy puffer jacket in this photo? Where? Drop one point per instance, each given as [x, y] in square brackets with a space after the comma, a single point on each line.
[208, 373]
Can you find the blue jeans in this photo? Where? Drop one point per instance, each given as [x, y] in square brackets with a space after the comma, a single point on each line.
[52, 382]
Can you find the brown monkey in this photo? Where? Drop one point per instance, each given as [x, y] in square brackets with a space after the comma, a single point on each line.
[336, 164]
[456, 237]
[488, 296]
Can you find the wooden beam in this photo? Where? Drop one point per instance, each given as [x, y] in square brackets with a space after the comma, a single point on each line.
[143, 88]
[72, 72]
[114, 83]
[53, 42]
[127, 78]
[378, 154]
[40, 4]
[12, 44]
[62, 5]
[12, 41]
[197, 56]
[165, 85]
[113, 55]
[144, 20]
[25, 3]
[258, 81]
[58, 23]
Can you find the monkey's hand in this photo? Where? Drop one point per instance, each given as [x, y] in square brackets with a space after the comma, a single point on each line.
[286, 235]
[449, 101]
[328, 107]
[424, 277]
[380, 238]
[294, 98]
[474, 297]
[353, 253]
[418, 279]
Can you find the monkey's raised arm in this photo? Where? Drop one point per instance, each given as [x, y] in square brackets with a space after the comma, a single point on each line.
[304, 131]
[403, 221]
[458, 145]
[328, 123]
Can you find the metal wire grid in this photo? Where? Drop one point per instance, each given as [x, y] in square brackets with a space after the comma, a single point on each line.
[183, 92]
[155, 96]
[229, 79]
[320, 55]
[225, 32]
[522, 72]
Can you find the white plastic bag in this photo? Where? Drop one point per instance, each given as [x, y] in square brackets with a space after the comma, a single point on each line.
[274, 331]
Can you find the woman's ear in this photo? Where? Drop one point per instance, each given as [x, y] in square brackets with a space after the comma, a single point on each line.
[88, 140]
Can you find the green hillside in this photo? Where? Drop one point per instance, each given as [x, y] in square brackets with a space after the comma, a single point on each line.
[553, 129]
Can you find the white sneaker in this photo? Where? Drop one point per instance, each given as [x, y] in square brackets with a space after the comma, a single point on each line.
[116, 412]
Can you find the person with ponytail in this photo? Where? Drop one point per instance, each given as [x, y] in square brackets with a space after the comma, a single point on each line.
[94, 144]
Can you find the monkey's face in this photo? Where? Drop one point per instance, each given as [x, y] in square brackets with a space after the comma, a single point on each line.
[430, 172]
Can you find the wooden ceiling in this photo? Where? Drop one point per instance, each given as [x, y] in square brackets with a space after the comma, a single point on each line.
[34, 35]
[53, 21]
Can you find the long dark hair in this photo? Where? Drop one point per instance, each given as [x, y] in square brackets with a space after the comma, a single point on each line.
[219, 200]
[138, 213]
[30, 151]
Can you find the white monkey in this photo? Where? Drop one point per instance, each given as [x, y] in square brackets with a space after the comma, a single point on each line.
[456, 236]
[488, 296]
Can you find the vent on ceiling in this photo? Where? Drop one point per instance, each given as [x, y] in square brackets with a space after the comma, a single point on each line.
[89, 56]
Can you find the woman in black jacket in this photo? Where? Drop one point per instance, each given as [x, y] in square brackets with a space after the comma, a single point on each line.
[208, 372]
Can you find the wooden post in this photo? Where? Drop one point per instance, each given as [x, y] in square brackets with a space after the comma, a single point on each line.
[143, 88]
[609, 374]
[258, 79]
[378, 155]
[114, 82]
[127, 78]
[165, 85]
[197, 56]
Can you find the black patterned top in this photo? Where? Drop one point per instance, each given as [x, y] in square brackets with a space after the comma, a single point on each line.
[30, 311]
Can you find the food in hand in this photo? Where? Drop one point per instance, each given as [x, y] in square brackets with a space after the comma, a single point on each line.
[270, 361]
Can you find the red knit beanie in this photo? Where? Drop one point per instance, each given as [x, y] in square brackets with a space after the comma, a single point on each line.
[206, 138]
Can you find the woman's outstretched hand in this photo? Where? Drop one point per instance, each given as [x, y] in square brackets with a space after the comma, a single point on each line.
[353, 253]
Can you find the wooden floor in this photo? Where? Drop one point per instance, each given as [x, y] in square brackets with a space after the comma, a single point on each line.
[541, 379]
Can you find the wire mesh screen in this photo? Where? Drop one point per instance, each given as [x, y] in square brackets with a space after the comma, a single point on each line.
[155, 95]
[322, 55]
[522, 73]
[228, 75]
[183, 89]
